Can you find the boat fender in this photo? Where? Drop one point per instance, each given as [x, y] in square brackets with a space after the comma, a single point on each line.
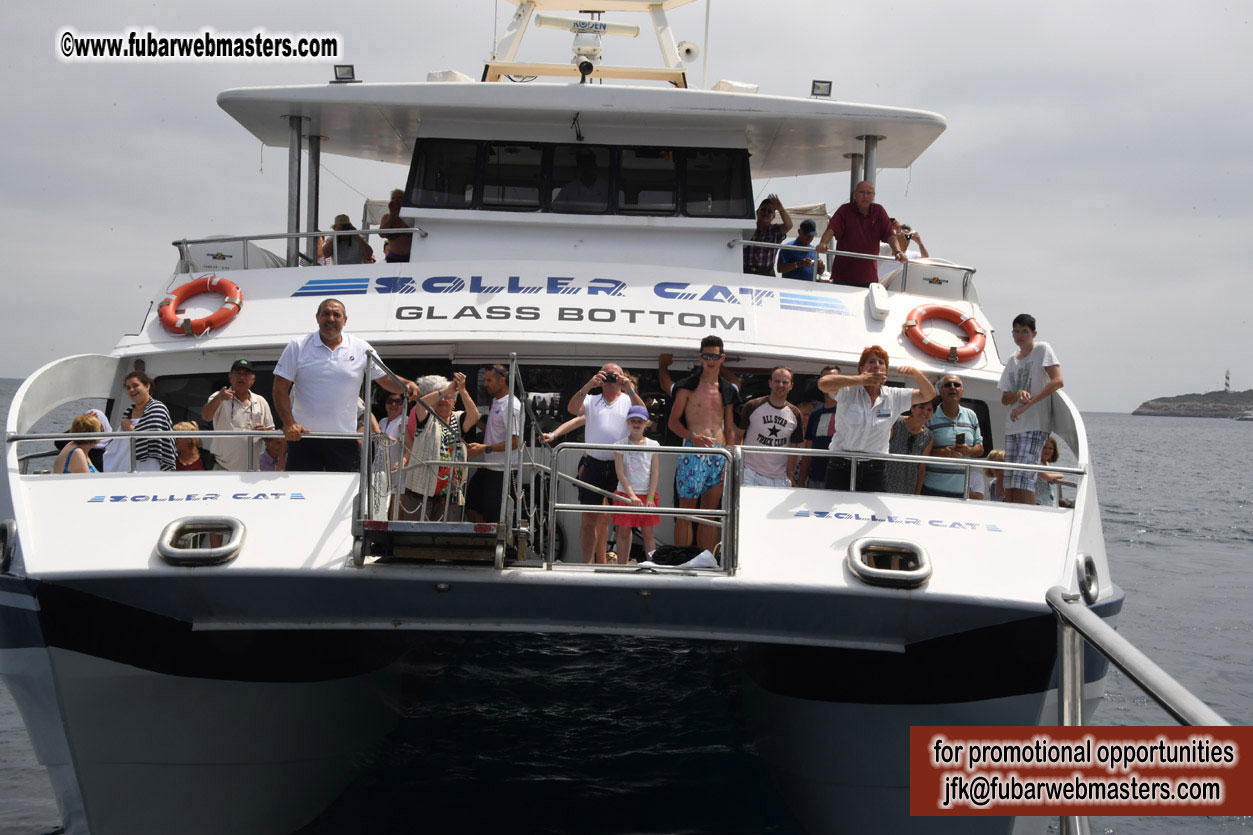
[232, 301]
[8, 544]
[976, 337]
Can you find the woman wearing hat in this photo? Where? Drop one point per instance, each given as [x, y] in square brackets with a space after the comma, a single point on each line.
[352, 249]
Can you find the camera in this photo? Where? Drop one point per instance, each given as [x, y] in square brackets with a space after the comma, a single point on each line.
[611, 377]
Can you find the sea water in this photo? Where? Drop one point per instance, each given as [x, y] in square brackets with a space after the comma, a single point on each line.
[545, 734]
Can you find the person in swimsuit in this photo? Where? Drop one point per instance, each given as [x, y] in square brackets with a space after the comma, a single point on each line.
[704, 417]
[73, 457]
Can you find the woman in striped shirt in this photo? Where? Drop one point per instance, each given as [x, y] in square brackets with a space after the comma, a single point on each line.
[147, 414]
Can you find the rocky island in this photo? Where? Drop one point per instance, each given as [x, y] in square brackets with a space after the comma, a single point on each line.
[1215, 404]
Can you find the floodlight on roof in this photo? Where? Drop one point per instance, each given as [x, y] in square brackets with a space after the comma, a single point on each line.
[820, 88]
[345, 74]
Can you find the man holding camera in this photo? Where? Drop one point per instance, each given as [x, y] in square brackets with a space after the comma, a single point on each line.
[606, 416]
[956, 432]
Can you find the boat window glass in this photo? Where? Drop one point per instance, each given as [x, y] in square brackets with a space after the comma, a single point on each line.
[511, 175]
[580, 178]
[444, 173]
[647, 181]
[716, 183]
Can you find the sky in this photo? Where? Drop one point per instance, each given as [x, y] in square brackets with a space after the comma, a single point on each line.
[1095, 170]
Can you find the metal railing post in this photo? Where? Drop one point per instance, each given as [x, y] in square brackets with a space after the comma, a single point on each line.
[364, 493]
[1069, 675]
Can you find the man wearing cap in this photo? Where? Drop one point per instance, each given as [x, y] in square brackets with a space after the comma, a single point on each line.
[237, 406]
[316, 385]
[352, 249]
[796, 264]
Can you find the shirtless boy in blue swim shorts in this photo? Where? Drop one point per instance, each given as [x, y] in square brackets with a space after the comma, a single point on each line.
[703, 415]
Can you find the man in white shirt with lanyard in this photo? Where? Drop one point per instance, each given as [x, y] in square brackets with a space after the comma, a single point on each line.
[483, 493]
[237, 407]
[606, 415]
[316, 386]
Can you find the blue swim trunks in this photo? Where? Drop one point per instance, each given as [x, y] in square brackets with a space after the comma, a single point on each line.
[696, 474]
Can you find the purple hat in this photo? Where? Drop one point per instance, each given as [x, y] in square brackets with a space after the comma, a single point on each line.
[640, 412]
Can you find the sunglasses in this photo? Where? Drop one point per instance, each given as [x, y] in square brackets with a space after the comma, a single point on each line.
[392, 400]
[710, 357]
[951, 385]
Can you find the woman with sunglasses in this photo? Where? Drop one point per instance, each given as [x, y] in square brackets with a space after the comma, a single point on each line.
[867, 412]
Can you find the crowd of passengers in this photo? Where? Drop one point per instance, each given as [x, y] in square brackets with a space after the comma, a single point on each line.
[861, 225]
[318, 377]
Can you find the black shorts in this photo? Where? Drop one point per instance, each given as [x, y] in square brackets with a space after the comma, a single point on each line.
[601, 473]
[870, 475]
[332, 455]
[483, 493]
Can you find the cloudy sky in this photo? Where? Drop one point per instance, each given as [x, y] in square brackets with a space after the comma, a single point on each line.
[1095, 170]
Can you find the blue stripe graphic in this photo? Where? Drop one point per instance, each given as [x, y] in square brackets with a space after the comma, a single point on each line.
[340, 286]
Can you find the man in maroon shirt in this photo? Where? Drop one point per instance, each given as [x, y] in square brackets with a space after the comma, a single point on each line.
[859, 226]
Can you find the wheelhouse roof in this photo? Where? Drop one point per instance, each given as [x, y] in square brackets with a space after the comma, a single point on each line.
[785, 136]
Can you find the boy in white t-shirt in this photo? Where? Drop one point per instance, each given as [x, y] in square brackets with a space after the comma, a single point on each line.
[637, 484]
[1029, 378]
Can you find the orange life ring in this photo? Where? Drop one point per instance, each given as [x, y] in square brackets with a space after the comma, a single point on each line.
[167, 311]
[976, 338]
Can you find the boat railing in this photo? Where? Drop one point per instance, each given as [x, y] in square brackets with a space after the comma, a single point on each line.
[965, 464]
[255, 434]
[723, 518]
[186, 260]
[926, 264]
[1077, 624]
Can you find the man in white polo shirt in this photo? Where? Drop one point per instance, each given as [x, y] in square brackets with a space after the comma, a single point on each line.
[316, 385]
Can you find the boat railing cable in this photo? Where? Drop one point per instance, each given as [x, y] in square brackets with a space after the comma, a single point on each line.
[1077, 624]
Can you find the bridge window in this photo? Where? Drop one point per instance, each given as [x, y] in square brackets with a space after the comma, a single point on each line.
[511, 176]
[717, 183]
[580, 179]
[444, 174]
[648, 180]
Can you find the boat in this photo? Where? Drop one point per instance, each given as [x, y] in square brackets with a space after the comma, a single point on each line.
[234, 641]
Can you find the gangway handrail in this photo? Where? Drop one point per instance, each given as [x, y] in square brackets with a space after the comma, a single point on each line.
[1076, 621]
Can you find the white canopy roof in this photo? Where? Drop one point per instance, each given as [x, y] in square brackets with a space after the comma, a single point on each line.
[785, 136]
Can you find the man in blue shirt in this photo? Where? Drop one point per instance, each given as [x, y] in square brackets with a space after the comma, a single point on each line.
[957, 435]
[796, 264]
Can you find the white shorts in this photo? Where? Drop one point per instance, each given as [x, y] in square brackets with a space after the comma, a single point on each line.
[754, 479]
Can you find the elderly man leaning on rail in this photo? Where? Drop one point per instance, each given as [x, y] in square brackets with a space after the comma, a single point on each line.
[859, 226]
[237, 407]
[315, 390]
